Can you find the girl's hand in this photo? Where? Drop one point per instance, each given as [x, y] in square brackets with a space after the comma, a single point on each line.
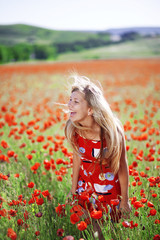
[69, 198]
[125, 209]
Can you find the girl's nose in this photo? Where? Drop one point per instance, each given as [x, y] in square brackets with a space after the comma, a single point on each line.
[69, 104]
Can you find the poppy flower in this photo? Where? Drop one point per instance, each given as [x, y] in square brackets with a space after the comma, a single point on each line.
[143, 200]
[31, 185]
[40, 139]
[29, 156]
[154, 195]
[137, 204]
[82, 226]
[4, 144]
[126, 224]
[96, 214]
[45, 193]
[133, 225]
[114, 202]
[12, 212]
[10, 153]
[20, 222]
[136, 213]
[156, 237]
[59, 178]
[150, 204]
[60, 210]
[77, 209]
[39, 201]
[59, 161]
[37, 233]
[74, 218]
[68, 238]
[84, 196]
[26, 215]
[152, 212]
[60, 232]
[11, 234]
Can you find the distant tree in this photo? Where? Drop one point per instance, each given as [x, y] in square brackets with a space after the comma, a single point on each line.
[5, 54]
[129, 36]
[44, 52]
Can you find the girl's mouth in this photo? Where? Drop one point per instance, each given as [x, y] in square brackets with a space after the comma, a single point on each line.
[72, 114]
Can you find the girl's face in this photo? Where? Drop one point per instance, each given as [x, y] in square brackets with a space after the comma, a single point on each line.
[78, 107]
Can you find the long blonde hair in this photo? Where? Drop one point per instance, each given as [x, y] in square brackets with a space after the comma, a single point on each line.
[111, 127]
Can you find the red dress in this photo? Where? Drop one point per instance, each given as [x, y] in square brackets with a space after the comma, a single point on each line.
[95, 180]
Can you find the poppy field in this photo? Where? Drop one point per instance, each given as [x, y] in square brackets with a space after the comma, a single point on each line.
[36, 160]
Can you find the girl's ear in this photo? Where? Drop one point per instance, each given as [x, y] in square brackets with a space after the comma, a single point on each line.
[90, 111]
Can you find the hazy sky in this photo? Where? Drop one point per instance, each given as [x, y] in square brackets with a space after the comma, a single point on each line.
[81, 14]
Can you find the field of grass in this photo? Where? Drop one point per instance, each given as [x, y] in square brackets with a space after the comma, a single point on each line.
[142, 48]
[20, 33]
[36, 161]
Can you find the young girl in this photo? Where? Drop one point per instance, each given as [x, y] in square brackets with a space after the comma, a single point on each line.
[100, 166]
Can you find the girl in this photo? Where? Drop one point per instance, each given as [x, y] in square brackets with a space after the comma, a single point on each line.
[100, 168]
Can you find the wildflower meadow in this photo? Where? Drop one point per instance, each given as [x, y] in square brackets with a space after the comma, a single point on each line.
[36, 160]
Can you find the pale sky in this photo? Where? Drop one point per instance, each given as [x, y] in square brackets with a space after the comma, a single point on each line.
[81, 14]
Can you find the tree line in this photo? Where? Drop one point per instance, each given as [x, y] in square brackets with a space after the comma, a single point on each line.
[25, 51]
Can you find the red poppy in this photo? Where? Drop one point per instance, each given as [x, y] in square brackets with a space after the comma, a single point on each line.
[37, 233]
[137, 205]
[10, 153]
[29, 156]
[156, 237]
[35, 166]
[74, 218]
[12, 212]
[26, 215]
[60, 232]
[20, 222]
[16, 175]
[45, 193]
[154, 195]
[96, 214]
[31, 185]
[11, 234]
[59, 178]
[136, 213]
[59, 161]
[114, 202]
[82, 226]
[133, 225]
[4, 144]
[39, 201]
[84, 196]
[157, 221]
[143, 200]
[68, 238]
[40, 139]
[77, 209]
[152, 212]
[60, 210]
[150, 204]
[126, 224]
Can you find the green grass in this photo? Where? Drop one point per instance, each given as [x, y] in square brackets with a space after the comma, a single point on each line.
[20, 33]
[142, 48]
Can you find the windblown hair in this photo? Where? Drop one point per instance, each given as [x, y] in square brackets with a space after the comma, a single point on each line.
[111, 127]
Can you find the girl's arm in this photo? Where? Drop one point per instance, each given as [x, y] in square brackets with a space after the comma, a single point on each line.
[76, 168]
[123, 175]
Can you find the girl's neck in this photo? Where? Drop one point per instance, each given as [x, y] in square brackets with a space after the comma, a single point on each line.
[93, 132]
